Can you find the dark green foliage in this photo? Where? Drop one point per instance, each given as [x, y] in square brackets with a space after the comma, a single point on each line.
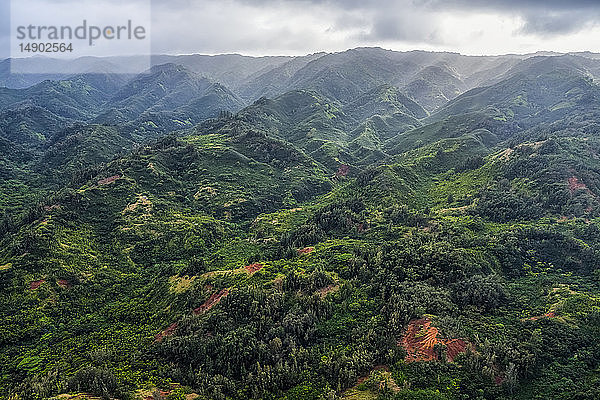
[280, 252]
[94, 380]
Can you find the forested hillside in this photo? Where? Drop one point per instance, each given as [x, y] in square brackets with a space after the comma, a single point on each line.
[357, 225]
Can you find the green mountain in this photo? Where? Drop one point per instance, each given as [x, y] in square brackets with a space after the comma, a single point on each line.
[65, 127]
[434, 86]
[430, 79]
[70, 99]
[541, 92]
[382, 226]
[384, 100]
[166, 93]
[28, 124]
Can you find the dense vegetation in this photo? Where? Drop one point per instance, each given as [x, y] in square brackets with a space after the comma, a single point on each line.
[162, 241]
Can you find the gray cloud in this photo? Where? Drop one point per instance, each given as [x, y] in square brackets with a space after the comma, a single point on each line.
[557, 23]
[499, 4]
[541, 16]
[408, 26]
[304, 26]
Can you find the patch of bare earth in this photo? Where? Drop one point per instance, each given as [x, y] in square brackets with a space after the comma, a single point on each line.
[36, 284]
[108, 180]
[212, 301]
[252, 268]
[538, 317]
[342, 171]
[575, 184]
[379, 379]
[167, 332]
[278, 283]
[306, 250]
[505, 155]
[420, 340]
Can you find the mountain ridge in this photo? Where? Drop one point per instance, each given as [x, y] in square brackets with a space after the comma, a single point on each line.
[374, 224]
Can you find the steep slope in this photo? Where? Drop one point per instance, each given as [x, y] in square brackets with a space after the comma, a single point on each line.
[543, 90]
[169, 97]
[155, 247]
[543, 96]
[273, 81]
[323, 131]
[79, 148]
[383, 100]
[107, 83]
[434, 86]
[429, 78]
[302, 246]
[73, 99]
[303, 118]
[53, 143]
[232, 70]
[163, 88]
[485, 125]
[29, 125]
[68, 99]
[379, 115]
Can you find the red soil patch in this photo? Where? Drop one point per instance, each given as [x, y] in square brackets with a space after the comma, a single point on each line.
[212, 301]
[63, 283]
[454, 347]
[252, 268]
[547, 315]
[36, 284]
[343, 170]
[108, 180]
[575, 184]
[306, 250]
[167, 332]
[52, 207]
[420, 338]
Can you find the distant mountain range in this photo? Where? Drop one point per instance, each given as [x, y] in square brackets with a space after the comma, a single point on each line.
[432, 77]
[353, 107]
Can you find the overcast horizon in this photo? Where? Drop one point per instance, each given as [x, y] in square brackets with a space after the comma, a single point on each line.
[300, 27]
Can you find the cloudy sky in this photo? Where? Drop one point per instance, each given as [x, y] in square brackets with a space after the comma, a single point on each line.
[293, 27]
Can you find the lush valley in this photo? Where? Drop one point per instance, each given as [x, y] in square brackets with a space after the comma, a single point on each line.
[359, 225]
